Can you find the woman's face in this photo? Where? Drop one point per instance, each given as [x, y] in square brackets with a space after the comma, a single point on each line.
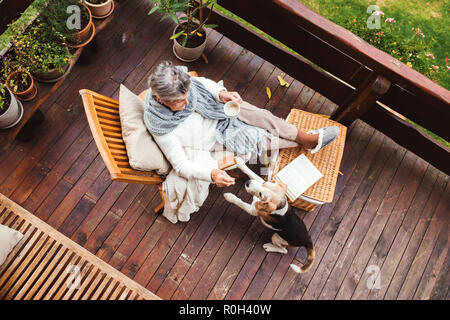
[176, 105]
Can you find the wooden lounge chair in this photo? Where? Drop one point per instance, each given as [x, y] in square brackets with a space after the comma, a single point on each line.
[46, 265]
[104, 121]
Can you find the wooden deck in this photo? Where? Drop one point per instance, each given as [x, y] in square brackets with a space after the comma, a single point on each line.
[391, 208]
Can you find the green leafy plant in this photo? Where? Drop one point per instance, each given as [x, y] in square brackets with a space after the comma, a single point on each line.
[20, 81]
[41, 48]
[55, 15]
[4, 98]
[191, 24]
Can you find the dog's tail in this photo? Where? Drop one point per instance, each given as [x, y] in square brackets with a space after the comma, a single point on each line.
[309, 261]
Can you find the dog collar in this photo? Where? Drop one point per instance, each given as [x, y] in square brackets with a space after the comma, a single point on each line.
[283, 210]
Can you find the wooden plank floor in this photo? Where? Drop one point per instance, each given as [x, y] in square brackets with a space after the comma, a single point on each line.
[390, 213]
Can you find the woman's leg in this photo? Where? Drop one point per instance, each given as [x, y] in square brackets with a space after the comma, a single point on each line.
[264, 119]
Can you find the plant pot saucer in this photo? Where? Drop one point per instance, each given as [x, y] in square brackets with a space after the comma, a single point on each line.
[19, 104]
[182, 59]
[76, 46]
[32, 96]
[105, 15]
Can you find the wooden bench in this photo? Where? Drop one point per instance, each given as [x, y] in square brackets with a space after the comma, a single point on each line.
[46, 265]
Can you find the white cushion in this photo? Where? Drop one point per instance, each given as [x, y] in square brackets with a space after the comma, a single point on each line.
[143, 152]
[8, 240]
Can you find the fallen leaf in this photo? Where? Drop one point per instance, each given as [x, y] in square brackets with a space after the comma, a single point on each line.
[341, 173]
[204, 58]
[283, 82]
[269, 94]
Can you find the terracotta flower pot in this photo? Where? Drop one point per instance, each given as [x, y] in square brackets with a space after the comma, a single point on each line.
[13, 113]
[52, 75]
[26, 95]
[101, 11]
[187, 54]
[85, 35]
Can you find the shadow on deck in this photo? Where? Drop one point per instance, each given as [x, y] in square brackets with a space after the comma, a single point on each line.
[390, 211]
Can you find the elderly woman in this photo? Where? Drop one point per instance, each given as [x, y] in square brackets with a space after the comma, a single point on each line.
[185, 116]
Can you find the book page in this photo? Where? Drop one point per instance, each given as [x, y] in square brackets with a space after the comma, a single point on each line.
[298, 175]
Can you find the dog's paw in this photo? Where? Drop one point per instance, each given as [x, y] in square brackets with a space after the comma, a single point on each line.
[229, 196]
[269, 247]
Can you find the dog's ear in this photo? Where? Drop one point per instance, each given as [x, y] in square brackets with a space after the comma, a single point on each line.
[265, 206]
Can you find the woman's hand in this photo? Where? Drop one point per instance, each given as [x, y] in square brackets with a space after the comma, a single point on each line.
[226, 96]
[221, 178]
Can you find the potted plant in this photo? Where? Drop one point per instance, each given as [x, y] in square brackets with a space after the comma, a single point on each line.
[11, 110]
[100, 8]
[42, 51]
[20, 82]
[57, 17]
[86, 34]
[189, 36]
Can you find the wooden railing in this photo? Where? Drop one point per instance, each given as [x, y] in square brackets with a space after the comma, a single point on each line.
[358, 77]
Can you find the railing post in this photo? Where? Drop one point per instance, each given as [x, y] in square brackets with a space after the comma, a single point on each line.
[362, 99]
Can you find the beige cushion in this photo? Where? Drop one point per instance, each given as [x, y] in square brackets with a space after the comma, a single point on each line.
[143, 152]
[8, 240]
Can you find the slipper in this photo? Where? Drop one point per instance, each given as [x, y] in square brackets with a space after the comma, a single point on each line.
[326, 136]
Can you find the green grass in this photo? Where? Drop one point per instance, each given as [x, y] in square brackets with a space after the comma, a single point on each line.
[22, 22]
[431, 16]
[427, 15]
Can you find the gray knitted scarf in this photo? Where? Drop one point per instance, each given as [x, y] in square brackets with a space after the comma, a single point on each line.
[234, 134]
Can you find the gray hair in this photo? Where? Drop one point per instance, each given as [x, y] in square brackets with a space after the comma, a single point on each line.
[168, 82]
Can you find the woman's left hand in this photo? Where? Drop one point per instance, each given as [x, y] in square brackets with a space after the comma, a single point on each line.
[226, 96]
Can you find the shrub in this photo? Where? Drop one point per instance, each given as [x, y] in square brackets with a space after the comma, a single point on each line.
[55, 17]
[41, 48]
[189, 24]
[413, 50]
[4, 98]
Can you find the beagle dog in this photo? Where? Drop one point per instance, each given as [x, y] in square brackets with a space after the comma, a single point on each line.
[271, 206]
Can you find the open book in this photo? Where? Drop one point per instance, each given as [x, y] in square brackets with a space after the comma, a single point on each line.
[298, 175]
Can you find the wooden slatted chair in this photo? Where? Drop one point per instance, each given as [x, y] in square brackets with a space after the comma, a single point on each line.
[104, 121]
[46, 265]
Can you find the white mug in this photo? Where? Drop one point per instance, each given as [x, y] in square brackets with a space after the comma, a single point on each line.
[231, 109]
